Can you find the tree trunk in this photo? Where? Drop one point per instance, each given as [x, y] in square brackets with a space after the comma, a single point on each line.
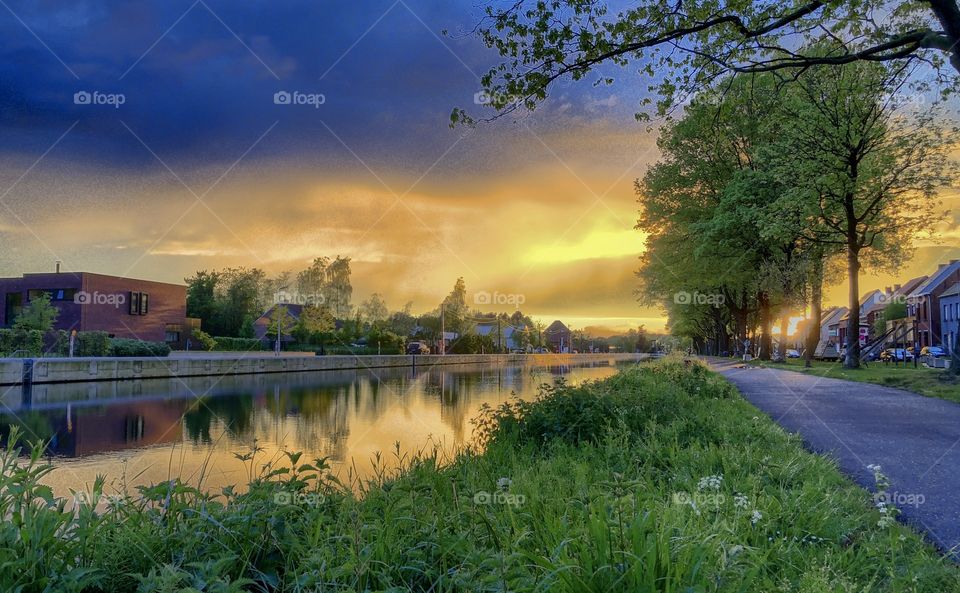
[816, 312]
[766, 340]
[852, 359]
[784, 328]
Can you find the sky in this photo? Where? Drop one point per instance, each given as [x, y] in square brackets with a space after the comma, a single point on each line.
[153, 140]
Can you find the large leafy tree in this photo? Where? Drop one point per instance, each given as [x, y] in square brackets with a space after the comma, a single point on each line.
[680, 46]
[868, 171]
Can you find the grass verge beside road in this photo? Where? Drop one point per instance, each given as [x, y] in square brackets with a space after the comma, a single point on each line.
[922, 380]
[661, 478]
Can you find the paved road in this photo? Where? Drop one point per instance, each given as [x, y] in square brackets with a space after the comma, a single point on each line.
[915, 439]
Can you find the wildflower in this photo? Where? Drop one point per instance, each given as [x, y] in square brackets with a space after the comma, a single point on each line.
[755, 517]
[710, 483]
[740, 501]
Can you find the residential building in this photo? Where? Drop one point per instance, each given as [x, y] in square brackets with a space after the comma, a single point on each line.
[923, 305]
[122, 307]
[950, 317]
[502, 334]
[262, 325]
[557, 337]
[830, 324]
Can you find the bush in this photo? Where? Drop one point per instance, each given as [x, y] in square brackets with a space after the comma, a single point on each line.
[92, 344]
[128, 347]
[225, 344]
[21, 341]
[206, 341]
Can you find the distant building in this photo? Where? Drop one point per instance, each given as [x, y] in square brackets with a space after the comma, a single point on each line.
[830, 325]
[950, 317]
[923, 305]
[502, 335]
[557, 337]
[122, 307]
[261, 327]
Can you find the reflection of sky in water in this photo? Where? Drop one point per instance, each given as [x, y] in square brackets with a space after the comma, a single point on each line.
[147, 431]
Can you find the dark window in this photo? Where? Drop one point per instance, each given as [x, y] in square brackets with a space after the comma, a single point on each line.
[134, 303]
[56, 294]
[13, 305]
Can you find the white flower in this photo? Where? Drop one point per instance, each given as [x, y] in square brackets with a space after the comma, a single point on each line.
[755, 517]
[710, 483]
[740, 501]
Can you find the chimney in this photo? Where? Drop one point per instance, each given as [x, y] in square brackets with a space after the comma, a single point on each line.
[896, 287]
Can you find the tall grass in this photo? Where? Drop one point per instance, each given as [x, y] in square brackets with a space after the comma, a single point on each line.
[660, 479]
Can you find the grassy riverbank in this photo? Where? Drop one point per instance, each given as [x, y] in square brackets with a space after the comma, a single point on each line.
[659, 479]
[920, 379]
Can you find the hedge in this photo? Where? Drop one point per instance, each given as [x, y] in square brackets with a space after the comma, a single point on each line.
[28, 342]
[225, 344]
[128, 347]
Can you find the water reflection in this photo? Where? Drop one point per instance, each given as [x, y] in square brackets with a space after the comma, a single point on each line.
[139, 432]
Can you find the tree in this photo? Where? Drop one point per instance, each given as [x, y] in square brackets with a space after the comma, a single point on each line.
[337, 289]
[374, 309]
[280, 321]
[683, 46]
[38, 315]
[455, 308]
[311, 281]
[201, 297]
[314, 322]
[870, 171]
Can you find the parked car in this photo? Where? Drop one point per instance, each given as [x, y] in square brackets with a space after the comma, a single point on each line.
[418, 348]
[934, 351]
[791, 353]
[898, 354]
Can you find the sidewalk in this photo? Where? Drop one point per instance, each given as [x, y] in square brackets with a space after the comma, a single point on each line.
[915, 439]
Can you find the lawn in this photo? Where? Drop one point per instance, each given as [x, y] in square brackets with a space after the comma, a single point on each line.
[924, 381]
[659, 479]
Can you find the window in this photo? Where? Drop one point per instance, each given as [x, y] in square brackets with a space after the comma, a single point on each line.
[134, 303]
[56, 294]
[139, 303]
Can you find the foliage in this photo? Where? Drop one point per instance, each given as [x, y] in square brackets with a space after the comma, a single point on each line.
[129, 347]
[205, 340]
[28, 342]
[680, 49]
[38, 315]
[473, 344]
[225, 344]
[95, 343]
[314, 325]
[692, 491]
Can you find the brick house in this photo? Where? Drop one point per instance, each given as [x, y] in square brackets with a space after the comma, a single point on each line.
[923, 304]
[557, 337]
[122, 307]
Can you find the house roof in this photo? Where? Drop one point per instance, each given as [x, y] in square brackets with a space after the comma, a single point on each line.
[952, 291]
[833, 315]
[936, 279]
[910, 285]
[556, 327]
[293, 310]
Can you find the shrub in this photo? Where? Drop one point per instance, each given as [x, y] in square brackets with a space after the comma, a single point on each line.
[224, 344]
[92, 344]
[206, 341]
[128, 347]
[22, 341]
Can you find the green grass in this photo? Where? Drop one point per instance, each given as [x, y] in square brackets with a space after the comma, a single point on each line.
[925, 381]
[659, 479]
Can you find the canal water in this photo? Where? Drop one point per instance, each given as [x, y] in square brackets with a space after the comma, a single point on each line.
[144, 432]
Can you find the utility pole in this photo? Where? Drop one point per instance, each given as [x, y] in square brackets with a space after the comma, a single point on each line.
[443, 331]
[499, 336]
